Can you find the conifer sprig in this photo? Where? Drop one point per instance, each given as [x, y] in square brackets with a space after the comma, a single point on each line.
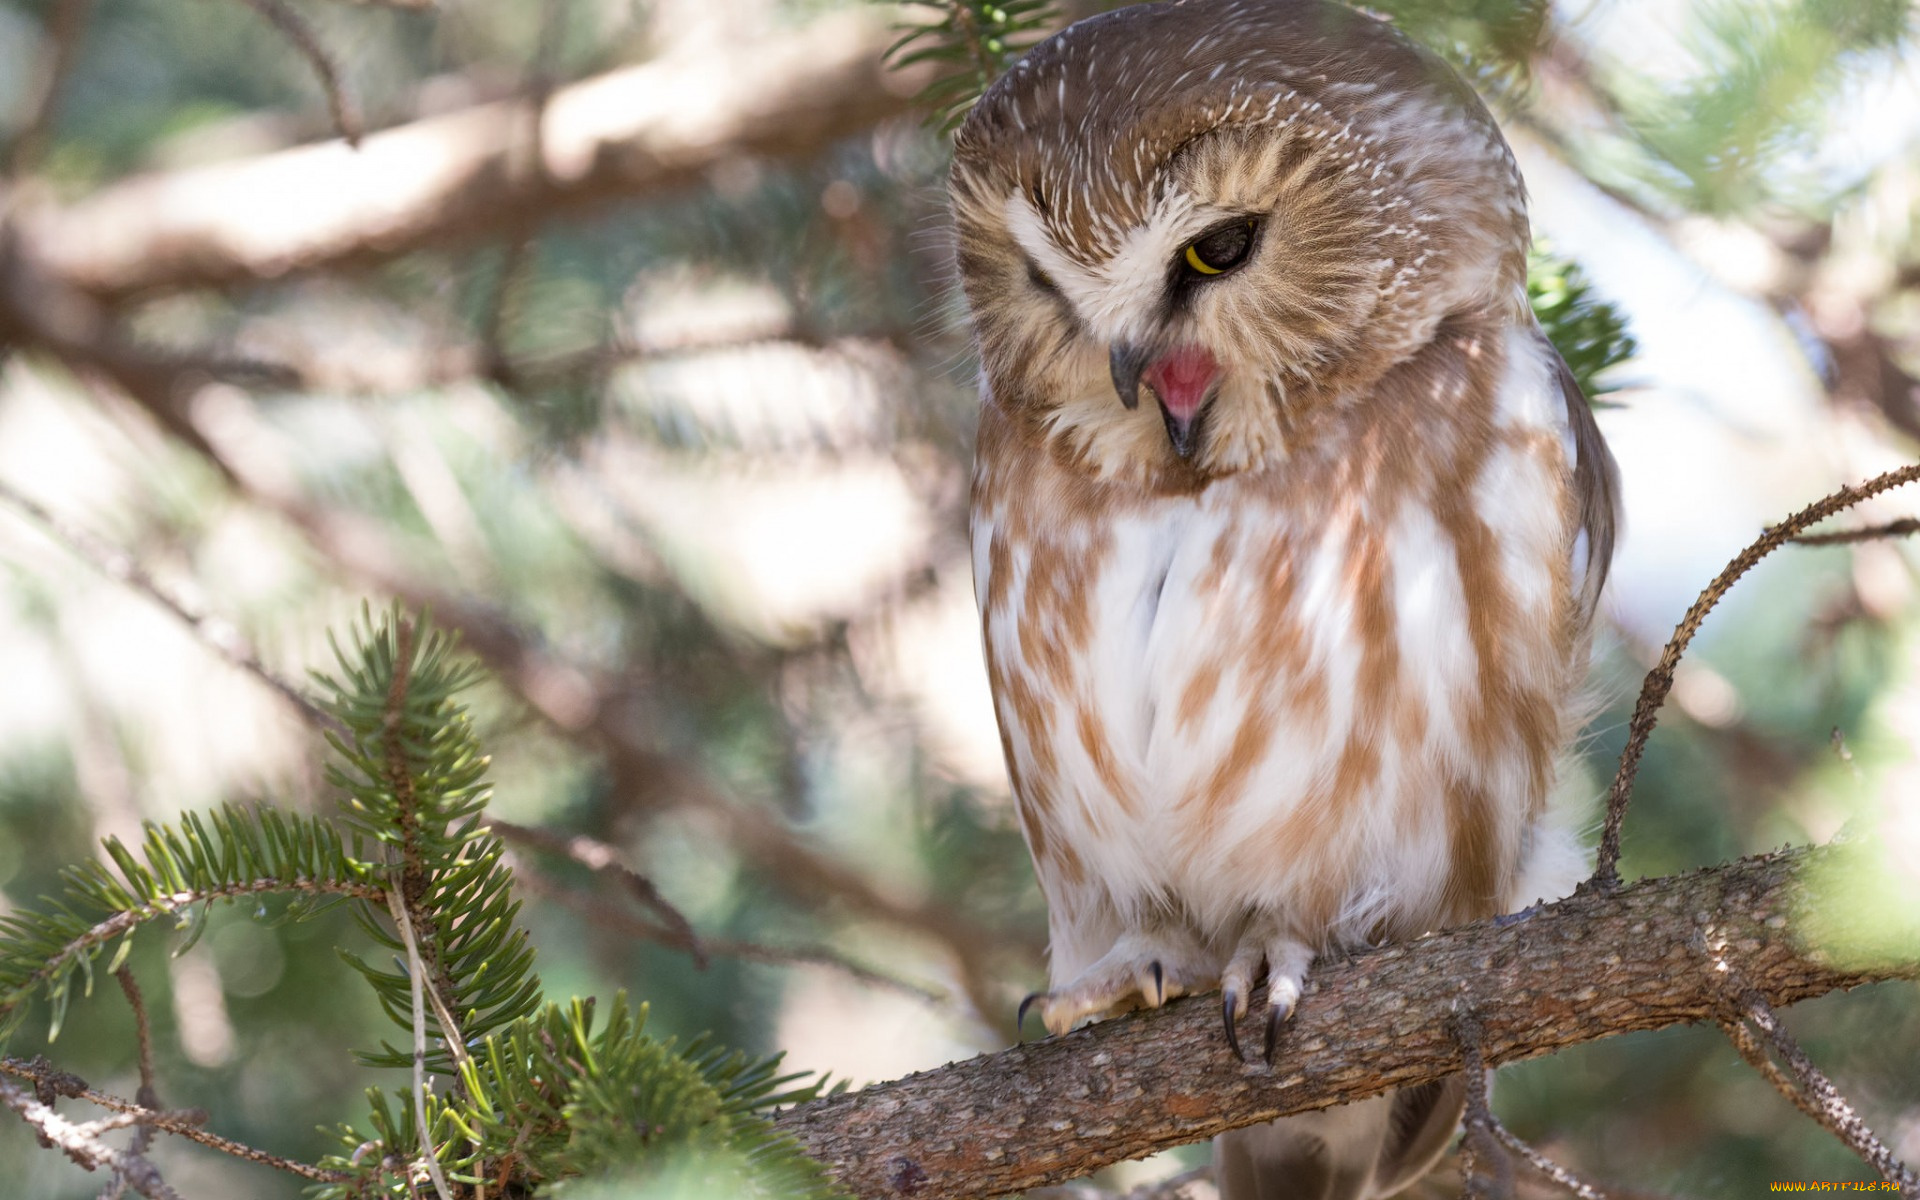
[414, 776]
[1768, 76]
[974, 41]
[559, 1096]
[230, 854]
[1590, 333]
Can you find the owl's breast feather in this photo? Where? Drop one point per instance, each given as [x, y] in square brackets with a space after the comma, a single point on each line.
[1338, 702]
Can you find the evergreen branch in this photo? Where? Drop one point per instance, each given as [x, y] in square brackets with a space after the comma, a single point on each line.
[975, 41]
[591, 710]
[232, 853]
[415, 781]
[559, 1095]
[1767, 76]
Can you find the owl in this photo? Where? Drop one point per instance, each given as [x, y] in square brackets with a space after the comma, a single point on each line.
[1288, 522]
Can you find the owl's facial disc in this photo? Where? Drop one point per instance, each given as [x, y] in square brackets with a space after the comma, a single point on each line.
[1184, 379]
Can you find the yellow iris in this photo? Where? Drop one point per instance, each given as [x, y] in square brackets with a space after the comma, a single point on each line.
[1197, 263]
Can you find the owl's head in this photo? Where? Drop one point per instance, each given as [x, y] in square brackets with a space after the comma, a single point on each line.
[1251, 207]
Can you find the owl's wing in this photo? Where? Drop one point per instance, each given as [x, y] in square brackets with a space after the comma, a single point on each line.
[1596, 488]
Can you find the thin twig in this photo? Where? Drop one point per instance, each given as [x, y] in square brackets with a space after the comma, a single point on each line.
[149, 1093]
[1485, 1133]
[1803, 1083]
[1485, 1171]
[81, 1142]
[410, 884]
[520, 254]
[66, 31]
[1659, 681]
[1546, 1166]
[596, 910]
[294, 27]
[1900, 528]
[603, 859]
[416, 977]
[121, 567]
[184, 1124]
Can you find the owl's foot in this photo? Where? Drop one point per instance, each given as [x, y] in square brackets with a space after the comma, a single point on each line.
[1286, 960]
[1141, 971]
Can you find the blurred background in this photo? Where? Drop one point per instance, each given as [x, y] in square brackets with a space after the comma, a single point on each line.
[627, 340]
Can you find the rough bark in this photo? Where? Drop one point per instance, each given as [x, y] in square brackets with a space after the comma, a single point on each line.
[1595, 965]
[481, 172]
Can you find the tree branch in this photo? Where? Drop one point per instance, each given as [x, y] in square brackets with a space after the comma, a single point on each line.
[49, 1083]
[465, 176]
[1592, 966]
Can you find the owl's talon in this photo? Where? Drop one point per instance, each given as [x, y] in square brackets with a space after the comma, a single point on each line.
[1276, 1017]
[1230, 1009]
[1020, 1016]
[1159, 984]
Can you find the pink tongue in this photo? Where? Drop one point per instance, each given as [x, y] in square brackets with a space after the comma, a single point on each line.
[1181, 378]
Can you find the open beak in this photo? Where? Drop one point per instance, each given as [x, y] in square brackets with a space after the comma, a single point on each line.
[1184, 379]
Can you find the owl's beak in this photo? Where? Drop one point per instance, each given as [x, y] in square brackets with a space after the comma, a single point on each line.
[1126, 361]
[1183, 379]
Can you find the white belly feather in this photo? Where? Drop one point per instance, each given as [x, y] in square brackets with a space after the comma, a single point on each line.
[1197, 751]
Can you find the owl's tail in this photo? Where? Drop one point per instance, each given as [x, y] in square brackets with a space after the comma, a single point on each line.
[1361, 1151]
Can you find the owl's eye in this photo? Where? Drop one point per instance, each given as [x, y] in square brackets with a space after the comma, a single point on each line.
[1221, 250]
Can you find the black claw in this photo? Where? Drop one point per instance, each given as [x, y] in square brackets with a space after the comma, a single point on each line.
[1233, 1035]
[1020, 1016]
[1276, 1017]
[1159, 985]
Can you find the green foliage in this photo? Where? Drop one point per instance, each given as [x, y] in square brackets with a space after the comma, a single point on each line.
[974, 41]
[526, 1094]
[1491, 41]
[1767, 74]
[1590, 333]
[559, 1100]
